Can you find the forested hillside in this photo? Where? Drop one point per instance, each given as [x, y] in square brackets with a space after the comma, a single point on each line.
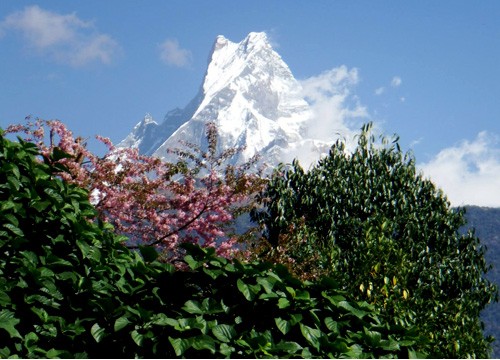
[486, 221]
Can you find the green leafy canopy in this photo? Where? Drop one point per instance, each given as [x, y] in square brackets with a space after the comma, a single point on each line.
[370, 221]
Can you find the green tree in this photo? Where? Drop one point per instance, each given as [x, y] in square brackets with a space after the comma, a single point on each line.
[369, 220]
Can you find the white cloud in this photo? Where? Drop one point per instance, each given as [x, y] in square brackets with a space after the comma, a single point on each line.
[415, 142]
[396, 81]
[468, 173]
[65, 38]
[335, 112]
[172, 54]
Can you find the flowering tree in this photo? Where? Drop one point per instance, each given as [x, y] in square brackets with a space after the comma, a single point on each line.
[154, 203]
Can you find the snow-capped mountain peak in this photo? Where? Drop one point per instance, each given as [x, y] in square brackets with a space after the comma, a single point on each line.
[250, 94]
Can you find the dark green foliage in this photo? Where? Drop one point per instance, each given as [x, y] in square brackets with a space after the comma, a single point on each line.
[69, 288]
[259, 310]
[62, 277]
[486, 221]
[230, 309]
[388, 237]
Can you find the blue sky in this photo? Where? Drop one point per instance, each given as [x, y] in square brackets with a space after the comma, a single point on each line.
[427, 70]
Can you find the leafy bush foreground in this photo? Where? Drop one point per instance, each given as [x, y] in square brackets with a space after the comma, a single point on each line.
[69, 288]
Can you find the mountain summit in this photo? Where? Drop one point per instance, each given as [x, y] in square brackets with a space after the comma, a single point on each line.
[249, 93]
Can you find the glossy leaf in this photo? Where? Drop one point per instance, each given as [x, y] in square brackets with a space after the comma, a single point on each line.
[224, 332]
[120, 323]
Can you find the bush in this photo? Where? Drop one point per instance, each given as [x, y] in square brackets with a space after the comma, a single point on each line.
[69, 288]
[388, 236]
[61, 275]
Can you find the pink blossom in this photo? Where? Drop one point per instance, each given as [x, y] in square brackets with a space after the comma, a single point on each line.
[137, 193]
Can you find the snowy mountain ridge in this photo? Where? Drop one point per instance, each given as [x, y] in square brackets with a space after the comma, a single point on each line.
[251, 95]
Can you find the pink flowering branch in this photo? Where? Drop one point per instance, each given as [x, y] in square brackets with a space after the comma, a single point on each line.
[153, 203]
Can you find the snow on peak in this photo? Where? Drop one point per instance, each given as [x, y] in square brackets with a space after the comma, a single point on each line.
[148, 118]
[230, 60]
[250, 94]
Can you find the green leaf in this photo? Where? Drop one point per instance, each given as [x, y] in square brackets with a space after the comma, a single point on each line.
[311, 335]
[295, 319]
[14, 229]
[193, 264]
[288, 346]
[202, 342]
[179, 345]
[163, 320]
[339, 345]
[267, 283]
[5, 352]
[193, 307]
[413, 354]
[121, 322]
[42, 313]
[30, 339]
[224, 332]
[6, 205]
[306, 353]
[226, 350]
[373, 337]
[283, 303]
[55, 354]
[4, 298]
[332, 325]
[54, 195]
[8, 321]
[137, 337]
[214, 274]
[354, 351]
[14, 169]
[97, 332]
[291, 291]
[84, 247]
[389, 345]
[14, 182]
[356, 312]
[40, 205]
[302, 295]
[245, 290]
[283, 325]
[264, 296]
[149, 253]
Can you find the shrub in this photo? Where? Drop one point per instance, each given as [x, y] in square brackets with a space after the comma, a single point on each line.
[69, 288]
[387, 235]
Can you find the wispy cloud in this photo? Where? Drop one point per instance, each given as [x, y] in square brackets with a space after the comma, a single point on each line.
[468, 173]
[415, 142]
[336, 111]
[172, 54]
[396, 81]
[63, 37]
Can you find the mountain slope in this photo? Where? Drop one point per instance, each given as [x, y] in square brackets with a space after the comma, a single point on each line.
[486, 222]
[253, 98]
